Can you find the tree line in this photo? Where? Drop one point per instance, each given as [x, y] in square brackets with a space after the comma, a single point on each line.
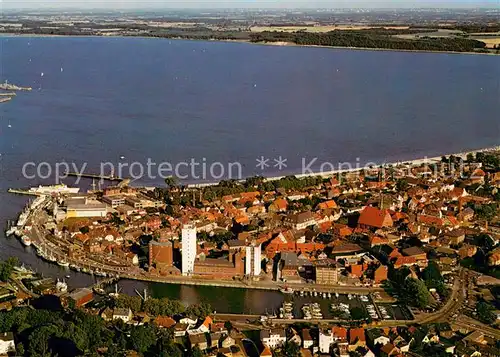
[374, 39]
[163, 306]
[44, 333]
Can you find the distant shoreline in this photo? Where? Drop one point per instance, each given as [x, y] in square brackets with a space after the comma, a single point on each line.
[328, 174]
[262, 43]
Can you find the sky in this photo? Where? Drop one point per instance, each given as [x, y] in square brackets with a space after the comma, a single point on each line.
[157, 4]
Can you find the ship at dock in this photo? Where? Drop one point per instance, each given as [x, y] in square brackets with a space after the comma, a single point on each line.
[9, 86]
[53, 189]
[26, 240]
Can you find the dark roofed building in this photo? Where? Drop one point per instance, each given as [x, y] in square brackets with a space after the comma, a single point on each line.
[300, 220]
[235, 244]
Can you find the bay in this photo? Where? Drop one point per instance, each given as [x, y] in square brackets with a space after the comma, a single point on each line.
[176, 101]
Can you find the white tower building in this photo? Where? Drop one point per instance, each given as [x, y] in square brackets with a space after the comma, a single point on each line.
[188, 248]
[253, 260]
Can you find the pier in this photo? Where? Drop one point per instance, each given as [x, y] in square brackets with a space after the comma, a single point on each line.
[22, 192]
[101, 284]
[8, 86]
[95, 176]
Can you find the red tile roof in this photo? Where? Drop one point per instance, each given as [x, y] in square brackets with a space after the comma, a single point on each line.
[357, 334]
[327, 204]
[339, 333]
[164, 321]
[374, 217]
[357, 270]
[402, 261]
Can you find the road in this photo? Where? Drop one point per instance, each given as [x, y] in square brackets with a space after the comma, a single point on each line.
[470, 324]
[454, 302]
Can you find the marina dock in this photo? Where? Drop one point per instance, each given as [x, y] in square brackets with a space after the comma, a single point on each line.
[8, 86]
[95, 176]
[22, 192]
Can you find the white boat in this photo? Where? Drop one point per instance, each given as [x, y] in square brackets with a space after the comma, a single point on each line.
[23, 269]
[26, 241]
[63, 263]
[48, 190]
[287, 290]
[74, 267]
[61, 286]
[10, 231]
[116, 294]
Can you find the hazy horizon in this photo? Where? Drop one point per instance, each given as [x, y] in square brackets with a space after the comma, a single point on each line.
[235, 4]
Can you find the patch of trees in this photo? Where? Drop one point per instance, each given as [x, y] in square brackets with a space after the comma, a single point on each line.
[363, 39]
[485, 312]
[76, 333]
[7, 267]
[433, 279]
[407, 290]
[217, 238]
[486, 212]
[163, 306]
[488, 160]
[289, 349]
[477, 28]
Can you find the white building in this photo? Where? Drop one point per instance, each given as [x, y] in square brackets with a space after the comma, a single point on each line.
[273, 338]
[253, 260]
[122, 314]
[82, 207]
[7, 343]
[325, 341]
[188, 248]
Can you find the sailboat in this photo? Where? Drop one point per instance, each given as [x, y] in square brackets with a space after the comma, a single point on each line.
[116, 293]
[61, 286]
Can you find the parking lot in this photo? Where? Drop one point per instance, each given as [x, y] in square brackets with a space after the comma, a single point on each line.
[339, 306]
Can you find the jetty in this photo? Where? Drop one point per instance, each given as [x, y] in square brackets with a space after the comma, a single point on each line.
[8, 86]
[22, 192]
[111, 177]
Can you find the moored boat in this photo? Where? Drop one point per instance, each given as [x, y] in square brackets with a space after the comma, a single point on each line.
[286, 290]
[26, 240]
[61, 286]
[48, 190]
